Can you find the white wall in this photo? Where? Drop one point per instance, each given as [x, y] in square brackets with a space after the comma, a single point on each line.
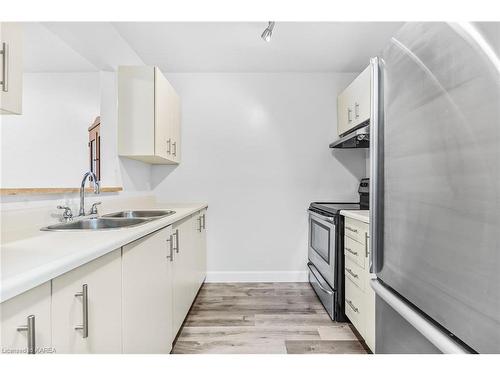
[46, 146]
[255, 147]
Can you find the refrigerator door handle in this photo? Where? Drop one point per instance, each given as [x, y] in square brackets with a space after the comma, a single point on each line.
[376, 166]
[432, 333]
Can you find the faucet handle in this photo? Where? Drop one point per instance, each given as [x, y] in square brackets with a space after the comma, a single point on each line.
[93, 209]
[67, 214]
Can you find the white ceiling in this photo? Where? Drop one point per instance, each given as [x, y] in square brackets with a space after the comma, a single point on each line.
[237, 46]
[204, 46]
[44, 51]
[98, 42]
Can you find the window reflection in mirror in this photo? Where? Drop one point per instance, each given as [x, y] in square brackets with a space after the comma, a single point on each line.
[95, 147]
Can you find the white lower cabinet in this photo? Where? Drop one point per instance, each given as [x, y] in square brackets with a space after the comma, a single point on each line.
[201, 248]
[359, 296]
[184, 274]
[86, 307]
[147, 294]
[189, 265]
[131, 300]
[25, 322]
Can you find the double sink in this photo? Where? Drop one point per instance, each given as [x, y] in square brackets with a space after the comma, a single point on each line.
[122, 219]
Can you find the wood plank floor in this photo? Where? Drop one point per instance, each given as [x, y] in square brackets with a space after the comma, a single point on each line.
[262, 318]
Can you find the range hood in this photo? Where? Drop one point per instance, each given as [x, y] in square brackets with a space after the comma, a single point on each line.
[359, 138]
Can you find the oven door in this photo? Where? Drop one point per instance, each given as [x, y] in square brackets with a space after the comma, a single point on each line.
[322, 240]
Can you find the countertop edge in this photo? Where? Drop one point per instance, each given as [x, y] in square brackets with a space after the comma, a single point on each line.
[362, 215]
[18, 284]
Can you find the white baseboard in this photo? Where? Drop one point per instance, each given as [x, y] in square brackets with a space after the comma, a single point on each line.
[257, 276]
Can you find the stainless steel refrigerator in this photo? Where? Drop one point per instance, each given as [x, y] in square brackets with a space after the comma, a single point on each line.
[435, 189]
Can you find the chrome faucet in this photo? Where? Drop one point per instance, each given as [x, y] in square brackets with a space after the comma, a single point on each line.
[82, 190]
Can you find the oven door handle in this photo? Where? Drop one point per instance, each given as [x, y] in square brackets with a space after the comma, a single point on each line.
[329, 220]
[315, 273]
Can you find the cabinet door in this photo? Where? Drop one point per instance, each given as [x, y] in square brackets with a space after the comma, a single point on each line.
[136, 111]
[175, 126]
[345, 111]
[342, 113]
[360, 97]
[96, 288]
[14, 315]
[163, 114]
[11, 68]
[184, 269]
[147, 294]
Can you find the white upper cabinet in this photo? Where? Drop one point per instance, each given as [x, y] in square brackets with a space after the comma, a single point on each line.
[11, 68]
[86, 307]
[148, 116]
[353, 104]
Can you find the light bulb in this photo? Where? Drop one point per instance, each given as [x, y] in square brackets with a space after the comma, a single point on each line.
[268, 32]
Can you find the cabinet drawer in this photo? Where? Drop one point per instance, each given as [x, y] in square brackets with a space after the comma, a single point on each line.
[354, 308]
[355, 251]
[355, 229]
[355, 273]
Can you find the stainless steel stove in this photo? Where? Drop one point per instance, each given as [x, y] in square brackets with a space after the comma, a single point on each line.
[326, 250]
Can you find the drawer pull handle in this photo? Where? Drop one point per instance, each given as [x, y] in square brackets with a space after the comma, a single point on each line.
[366, 244]
[354, 308]
[351, 273]
[351, 229]
[29, 328]
[171, 242]
[312, 269]
[200, 219]
[5, 67]
[176, 235]
[352, 252]
[84, 327]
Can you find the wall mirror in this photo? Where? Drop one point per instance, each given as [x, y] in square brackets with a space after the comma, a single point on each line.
[57, 138]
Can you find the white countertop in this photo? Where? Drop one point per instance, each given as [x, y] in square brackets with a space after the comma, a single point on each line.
[30, 262]
[361, 215]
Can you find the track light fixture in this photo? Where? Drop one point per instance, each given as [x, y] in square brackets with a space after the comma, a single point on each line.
[268, 32]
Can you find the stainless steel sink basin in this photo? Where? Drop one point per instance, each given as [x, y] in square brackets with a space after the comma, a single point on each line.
[99, 223]
[148, 214]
